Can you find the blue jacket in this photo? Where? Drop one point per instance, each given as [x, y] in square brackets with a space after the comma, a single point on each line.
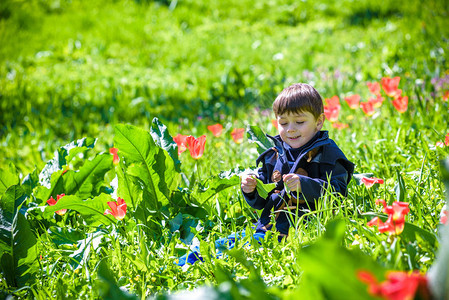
[315, 162]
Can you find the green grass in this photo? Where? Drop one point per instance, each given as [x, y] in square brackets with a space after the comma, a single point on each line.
[71, 69]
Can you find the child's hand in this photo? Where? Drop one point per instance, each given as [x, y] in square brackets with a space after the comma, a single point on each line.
[249, 183]
[291, 181]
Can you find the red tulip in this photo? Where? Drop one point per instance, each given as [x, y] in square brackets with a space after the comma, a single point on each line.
[113, 151]
[381, 226]
[331, 112]
[181, 141]
[377, 102]
[399, 285]
[196, 146]
[397, 209]
[118, 209]
[446, 95]
[367, 107]
[381, 201]
[216, 129]
[401, 103]
[390, 85]
[445, 143]
[374, 88]
[396, 94]
[369, 182]
[339, 125]
[334, 101]
[353, 101]
[443, 218]
[396, 217]
[52, 202]
[275, 123]
[237, 135]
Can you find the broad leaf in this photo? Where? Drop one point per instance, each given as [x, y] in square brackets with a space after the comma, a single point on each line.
[335, 276]
[151, 164]
[215, 184]
[175, 223]
[256, 135]
[64, 236]
[92, 210]
[128, 188]
[163, 139]
[62, 156]
[30, 182]
[186, 235]
[263, 189]
[79, 146]
[17, 241]
[85, 182]
[56, 187]
[8, 177]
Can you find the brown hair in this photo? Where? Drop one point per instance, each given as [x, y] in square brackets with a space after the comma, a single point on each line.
[298, 97]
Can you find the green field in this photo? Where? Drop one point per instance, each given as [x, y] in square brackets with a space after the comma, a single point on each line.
[73, 73]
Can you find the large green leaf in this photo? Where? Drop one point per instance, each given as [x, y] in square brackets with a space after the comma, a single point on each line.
[8, 177]
[264, 188]
[256, 135]
[175, 223]
[163, 139]
[92, 210]
[335, 275]
[64, 236]
[215, 184]
[30, 182]
[17, 241]
[85, 182]
[56, 187]
[62, 156]
[148, 162]
[79, 146]
[128, 188]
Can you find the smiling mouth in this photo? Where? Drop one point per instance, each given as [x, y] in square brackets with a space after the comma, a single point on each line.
[294, 138]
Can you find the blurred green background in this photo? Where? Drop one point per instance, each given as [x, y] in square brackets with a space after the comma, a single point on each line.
[69, 69]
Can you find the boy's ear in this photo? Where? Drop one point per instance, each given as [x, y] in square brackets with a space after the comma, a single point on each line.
[320, 122]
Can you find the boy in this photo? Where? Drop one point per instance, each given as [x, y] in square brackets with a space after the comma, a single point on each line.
[302, 161]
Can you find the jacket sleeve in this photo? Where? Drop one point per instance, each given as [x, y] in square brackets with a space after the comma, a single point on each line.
[313, 188]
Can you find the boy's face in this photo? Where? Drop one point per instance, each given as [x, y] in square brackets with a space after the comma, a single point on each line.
[296, 129]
